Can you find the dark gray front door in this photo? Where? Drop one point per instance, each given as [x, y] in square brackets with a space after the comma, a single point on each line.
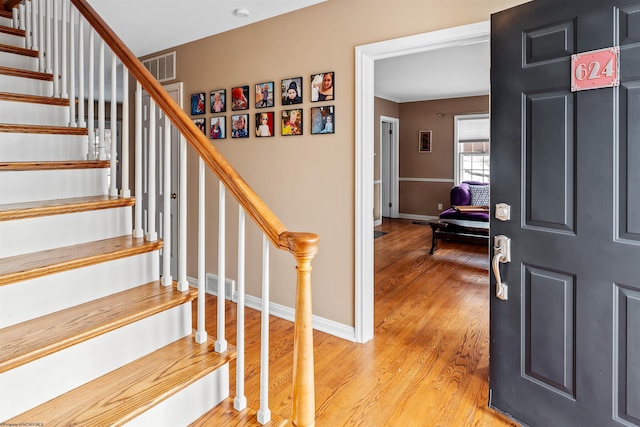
[565, 345]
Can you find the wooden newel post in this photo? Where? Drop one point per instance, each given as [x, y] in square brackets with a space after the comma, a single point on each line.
[303, 246]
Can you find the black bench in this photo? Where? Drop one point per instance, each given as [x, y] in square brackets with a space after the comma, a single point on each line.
[474, 231]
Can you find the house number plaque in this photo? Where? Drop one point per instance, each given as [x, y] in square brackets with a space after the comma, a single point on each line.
[595, 69]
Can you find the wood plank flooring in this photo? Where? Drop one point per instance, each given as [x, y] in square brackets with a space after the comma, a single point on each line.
[428, 363]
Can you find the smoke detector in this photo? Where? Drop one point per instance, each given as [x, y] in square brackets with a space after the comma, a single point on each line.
[241, 12]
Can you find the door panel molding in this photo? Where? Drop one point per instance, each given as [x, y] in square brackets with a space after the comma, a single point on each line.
[548, 329]
[548, 134]
[627, 375]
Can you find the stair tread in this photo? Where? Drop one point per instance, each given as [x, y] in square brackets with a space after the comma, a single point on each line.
[13, 31]
[18, 50]
[40, 208]
[37, 264]
[60, 130]
[18, 72]
[39, 337]
[54, 165]
[224, 415]
[121, 395]
[34, 99]
[6, 13]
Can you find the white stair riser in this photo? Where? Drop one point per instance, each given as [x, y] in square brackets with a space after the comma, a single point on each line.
[189, 404]
[43, 379]
[25, 186]
[22, 301]
[22, 62]
[7, 22]
[12, 40]
[25, 85]
[54, 231]
[19, 147]
[27, 113]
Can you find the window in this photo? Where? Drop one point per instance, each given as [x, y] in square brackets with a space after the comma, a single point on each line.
[471, 148]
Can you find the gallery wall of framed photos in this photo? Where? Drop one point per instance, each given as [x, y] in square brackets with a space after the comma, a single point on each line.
[242, 112]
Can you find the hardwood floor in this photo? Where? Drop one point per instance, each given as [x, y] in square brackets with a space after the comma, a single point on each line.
[428, 363]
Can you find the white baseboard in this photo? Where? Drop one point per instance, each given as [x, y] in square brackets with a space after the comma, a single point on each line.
[321, 324]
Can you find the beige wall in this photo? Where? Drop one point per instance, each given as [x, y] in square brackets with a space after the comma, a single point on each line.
[307, 180]
[422, 197]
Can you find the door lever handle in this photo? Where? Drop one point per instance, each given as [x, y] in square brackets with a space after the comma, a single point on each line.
[501, 254]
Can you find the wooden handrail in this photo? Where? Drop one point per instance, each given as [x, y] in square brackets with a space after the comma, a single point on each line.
[253, 205]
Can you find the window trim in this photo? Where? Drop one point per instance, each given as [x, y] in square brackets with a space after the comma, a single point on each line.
[456, 143]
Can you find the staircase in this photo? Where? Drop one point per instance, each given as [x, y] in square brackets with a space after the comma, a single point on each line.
[90, 334]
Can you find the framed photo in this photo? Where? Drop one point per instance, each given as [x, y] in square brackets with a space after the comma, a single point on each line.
[264, 95]
[291, 122]
[198, 104]
[424, 141]
[218, 101]
[240, 126]
[218, 127]
[292, 91]
[202, 124]
[322, 86]
[240, 98]
[264, 123]
[323, 120]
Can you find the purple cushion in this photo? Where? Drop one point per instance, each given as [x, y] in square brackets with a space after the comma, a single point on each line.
[451, 213]
[461, 196]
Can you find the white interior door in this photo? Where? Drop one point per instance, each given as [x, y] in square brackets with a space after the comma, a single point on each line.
[389, 168]
[175, 91]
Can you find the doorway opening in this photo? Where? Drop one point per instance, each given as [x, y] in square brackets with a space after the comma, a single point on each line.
[364, 196]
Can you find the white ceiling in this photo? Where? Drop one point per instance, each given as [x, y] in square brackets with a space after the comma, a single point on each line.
[450, 72]
[148, 26]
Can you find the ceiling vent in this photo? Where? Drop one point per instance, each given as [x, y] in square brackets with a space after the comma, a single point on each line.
[162, 67]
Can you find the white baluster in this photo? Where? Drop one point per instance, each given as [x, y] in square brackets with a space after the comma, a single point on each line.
[81, 121]
[55, 52]
[28, 42]
[91, 118]
[240, 401]
[15, 14]
[63, 70]
[41, 36]
[102, 155]
[72, 68]
[21, 14]
[113, 122]
[138, 231]
[221, 342]
[152, 234]
[124, 156]
[48, 51]
[34, 24]
[264, 413]
[166, 216]
[201, 333]
[183, 283]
